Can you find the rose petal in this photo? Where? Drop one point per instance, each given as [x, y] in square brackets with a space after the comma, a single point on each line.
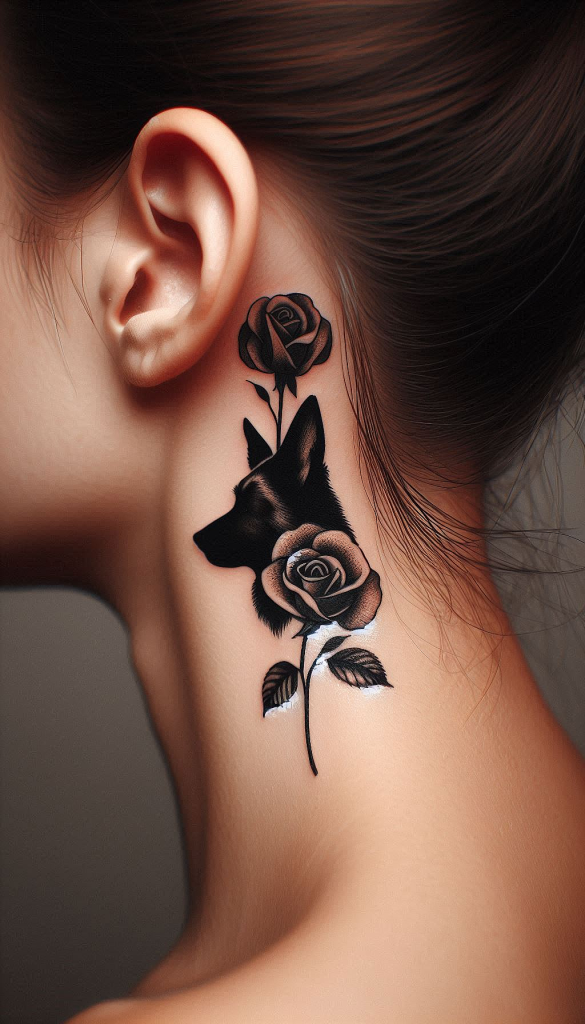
[300, 351]
[335, 582]
[326, 585]
[299, 554]
[318, 585]
[282, 361]
[287, 330]
[305, 339]
[244, 336]
[338, 580]
[313, 610]
[321, 347]
[305, 303]
[272, 582]
[257, 325]
[333, 605]
[292, 540]
[257, 315]
[305, 554]
[365, 606]
[253, 349]
[307, 610]
[288, 300]
[301, 357]
[337, 543]
[323, 340]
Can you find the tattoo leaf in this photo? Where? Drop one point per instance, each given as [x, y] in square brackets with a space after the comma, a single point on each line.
[307, 628]
[260, 391]
[358, 667]
[331, 644]
[280, 683]
[292, 385]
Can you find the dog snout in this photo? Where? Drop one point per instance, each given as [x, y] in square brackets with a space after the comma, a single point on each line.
[216, 541]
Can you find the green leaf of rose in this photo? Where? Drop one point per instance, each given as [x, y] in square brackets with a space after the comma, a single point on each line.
[280, 683]
[358, 667]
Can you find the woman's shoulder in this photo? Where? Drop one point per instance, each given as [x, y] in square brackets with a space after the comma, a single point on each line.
[320, 982]
[482, 924]
[236, 1008]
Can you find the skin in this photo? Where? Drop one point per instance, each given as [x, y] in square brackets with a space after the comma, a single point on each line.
[433, 870]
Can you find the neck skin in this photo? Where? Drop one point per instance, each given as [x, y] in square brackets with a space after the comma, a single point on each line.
[411, 779]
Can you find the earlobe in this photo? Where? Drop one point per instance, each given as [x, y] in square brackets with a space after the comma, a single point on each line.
[184, 243]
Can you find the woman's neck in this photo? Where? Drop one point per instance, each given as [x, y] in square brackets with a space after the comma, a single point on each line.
[267, 838]
[414, 778]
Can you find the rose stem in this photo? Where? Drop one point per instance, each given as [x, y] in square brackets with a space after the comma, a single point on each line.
[279, 420]
[273, 413]
[306, 689]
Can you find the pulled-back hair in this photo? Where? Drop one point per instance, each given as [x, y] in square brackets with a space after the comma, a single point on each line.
[440, 145]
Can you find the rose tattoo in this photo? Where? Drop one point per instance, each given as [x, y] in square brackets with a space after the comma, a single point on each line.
[284, 335]
[322, 576]
[313, 574]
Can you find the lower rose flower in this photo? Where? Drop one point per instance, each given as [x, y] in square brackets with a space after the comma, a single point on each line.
[322, 576]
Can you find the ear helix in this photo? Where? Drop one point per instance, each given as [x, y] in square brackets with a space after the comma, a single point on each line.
[183, 244]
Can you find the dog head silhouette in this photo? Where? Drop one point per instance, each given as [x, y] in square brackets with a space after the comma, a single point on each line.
[283, 490]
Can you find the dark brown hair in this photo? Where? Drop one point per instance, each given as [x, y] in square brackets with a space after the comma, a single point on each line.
[441, 146]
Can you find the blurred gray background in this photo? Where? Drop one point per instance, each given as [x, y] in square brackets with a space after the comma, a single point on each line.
[91, 877]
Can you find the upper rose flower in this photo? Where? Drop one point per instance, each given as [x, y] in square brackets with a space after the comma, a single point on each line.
[322, 576]
[284, 335]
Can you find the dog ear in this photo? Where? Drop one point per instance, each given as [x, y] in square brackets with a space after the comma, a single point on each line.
[304, 443]
[258, 448]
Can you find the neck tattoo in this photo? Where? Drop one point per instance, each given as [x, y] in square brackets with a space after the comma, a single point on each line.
[287, 523]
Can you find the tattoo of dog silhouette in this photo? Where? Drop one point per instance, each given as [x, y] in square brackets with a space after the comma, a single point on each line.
[283, 490]
[287, 523]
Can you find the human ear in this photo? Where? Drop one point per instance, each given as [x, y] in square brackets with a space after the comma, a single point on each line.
[183, 245]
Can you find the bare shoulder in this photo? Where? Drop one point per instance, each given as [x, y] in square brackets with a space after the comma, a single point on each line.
[299, 978]
[262, 1007]
[352, 978]
[118, 1011]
